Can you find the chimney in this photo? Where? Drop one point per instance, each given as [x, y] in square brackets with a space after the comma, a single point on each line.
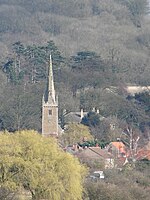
[82, 113]
[96, 145]
[93, 109]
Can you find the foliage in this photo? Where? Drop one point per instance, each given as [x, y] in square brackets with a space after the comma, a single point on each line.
[91, 119]
[29, 66]
[18, 110]
[30, 62]
[137, 9]
[103, 43]
[87, 60]
[116, 185]
[75, 133]
[144, 100]
[143, 165]
[37, 164]
[115, 44]
[100, 190]
[94, 143]
[89, 70]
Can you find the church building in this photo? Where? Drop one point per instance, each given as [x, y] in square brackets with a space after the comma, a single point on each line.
[50, 107]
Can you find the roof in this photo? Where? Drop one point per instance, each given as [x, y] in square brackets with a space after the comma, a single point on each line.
[93, 153]
[73, 117]
[119, 145]
[100, 152]
[143, 154]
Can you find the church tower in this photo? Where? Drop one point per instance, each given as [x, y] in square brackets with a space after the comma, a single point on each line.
[50, 107]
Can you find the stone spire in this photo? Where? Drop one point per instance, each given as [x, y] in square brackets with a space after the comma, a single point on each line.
[51, 89]
[50, 107]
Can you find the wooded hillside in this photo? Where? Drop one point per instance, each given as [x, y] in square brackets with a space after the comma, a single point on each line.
[116, 30]
[94, 44]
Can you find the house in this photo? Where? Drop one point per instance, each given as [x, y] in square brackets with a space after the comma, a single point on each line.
[74, 117]
[133, 89]
[97, 155]
[118, 149]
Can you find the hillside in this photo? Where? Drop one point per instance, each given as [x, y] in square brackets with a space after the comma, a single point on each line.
[99, 49]
[116, 30]
[94, 44]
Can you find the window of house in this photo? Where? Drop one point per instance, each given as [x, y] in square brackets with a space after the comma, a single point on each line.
[50, 112]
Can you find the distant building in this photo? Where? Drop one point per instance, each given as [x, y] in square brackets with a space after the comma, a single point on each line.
[74, 117]
[96, 155]
[132, 90]
[50, 107]
[118, 149]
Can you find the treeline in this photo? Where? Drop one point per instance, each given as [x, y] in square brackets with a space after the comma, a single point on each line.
[25, 72]
[82, 81]
[118, 31]
[94, 45]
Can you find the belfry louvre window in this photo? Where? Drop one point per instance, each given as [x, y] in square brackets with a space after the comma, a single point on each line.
[50, 112]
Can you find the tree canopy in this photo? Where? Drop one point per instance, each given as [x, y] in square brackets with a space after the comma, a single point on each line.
[37, 165]
[75, 133]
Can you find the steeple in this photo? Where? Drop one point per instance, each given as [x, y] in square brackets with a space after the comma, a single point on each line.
[51, 89]
[50, 107]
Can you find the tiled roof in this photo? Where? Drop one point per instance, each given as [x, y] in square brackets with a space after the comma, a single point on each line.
[120, 146]
[143, 154]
